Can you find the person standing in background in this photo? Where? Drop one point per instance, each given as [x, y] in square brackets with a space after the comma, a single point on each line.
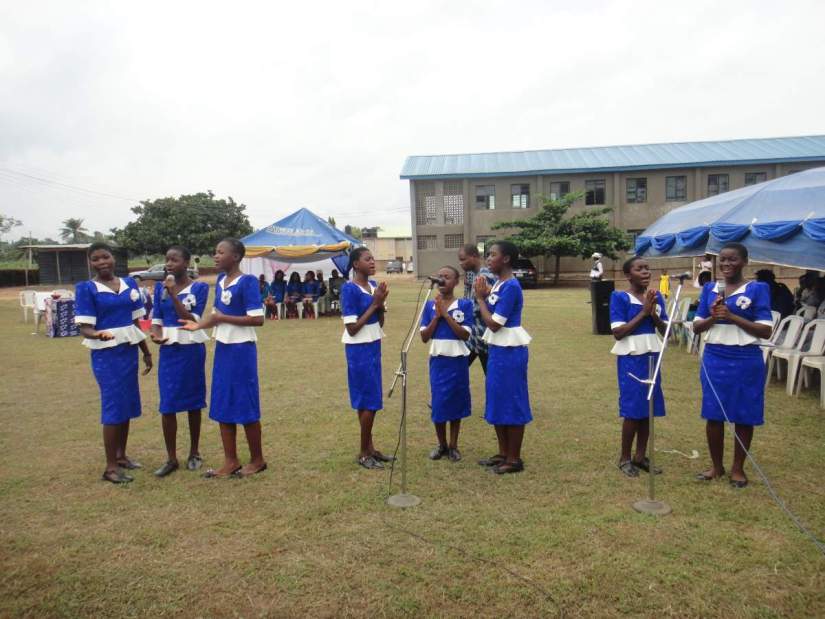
[664, 284]
[470, 260]
[597, 270]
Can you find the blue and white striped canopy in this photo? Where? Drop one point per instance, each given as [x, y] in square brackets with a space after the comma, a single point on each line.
[781, 222]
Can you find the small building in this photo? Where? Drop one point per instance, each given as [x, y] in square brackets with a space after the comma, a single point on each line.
[456, 199]
[387, 245]
[68, 264]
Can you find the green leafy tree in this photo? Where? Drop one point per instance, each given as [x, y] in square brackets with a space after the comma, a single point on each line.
[551, 232]
[198, 221]
[73, 231]
[353, 231]
[7, 223]
[331, 221]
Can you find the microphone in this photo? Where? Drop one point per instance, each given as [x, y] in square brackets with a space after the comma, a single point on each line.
[170, 279]
[439, 281]
[681, 277]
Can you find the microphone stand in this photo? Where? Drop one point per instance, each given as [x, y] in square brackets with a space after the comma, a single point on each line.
[403, 499]
[651, 505]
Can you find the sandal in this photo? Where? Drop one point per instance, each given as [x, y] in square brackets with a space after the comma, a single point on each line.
[703, 477]
[240, 474]
[382, 458]
[368, 462]
[739, 483]
[116, 477]
[213, 474]
[167, 469]
[644, 465]
[439, 452]
[129, 465]
[628, 468]
[194, 463]
[492, 460]
[454, 454]
[508, 467]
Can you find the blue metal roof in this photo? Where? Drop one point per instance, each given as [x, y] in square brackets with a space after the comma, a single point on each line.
[617, 158]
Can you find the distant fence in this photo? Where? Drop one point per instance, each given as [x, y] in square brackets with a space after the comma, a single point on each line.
[17, 277]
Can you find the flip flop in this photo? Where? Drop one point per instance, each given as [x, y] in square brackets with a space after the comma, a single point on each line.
[213, 474]
[239, 474]
[644, 465]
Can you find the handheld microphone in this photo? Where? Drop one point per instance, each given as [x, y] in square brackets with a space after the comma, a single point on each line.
[439, 281]
[170, 279]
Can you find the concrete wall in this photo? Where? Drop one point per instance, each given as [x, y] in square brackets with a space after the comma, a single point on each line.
[633, 217]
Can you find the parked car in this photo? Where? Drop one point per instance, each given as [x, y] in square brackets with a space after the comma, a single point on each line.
[157, 273]
[525, 273]
[395, 266]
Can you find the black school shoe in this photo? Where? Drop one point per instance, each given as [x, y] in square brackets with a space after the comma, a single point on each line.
[116, 477]
[508, 467]
[454, 454]
[644, 465]
[439, 452]
[368, 462]
[167, 469]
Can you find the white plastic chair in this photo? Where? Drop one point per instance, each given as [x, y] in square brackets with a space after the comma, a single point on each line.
[808, 365]
[810, 344]
[679, 321]
[776, 317]
[785, 335]
[28, 301]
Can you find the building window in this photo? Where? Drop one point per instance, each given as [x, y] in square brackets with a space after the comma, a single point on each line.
[633, 234]
[453, 203]
[594, 192]
[426, 210]
[676, 188]
[453, 241]
[427, 241]
[521, 196]
[636, 190]
[752, 178]
[483, 241]
[486, 197]
[717, 183]
[559, 190]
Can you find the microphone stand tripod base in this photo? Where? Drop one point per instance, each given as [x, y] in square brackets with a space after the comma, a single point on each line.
[403, 500]
[655, 508]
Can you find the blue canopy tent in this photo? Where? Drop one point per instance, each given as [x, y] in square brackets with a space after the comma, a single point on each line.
[781, 222]
[300, 238]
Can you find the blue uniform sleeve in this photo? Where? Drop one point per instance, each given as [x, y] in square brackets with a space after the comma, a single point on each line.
[762, 303]
[427, 315]
[156, 313]
[138, 307]
[662, 304]
[618, 309]
[85, 310]
[349, 306]
[703, 311]
[251, 292]
[201, 292]
[466, 307]
[508, 297]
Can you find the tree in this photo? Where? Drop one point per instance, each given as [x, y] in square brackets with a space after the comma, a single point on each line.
[551, 233]
[353, 231]
[331, 221]
[73, 229]
[7, 223]
[198, 221]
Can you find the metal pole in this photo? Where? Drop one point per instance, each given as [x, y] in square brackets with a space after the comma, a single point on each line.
[651, 440]
[404, 423]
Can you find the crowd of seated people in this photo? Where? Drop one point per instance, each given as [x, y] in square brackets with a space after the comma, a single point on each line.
[297, 298]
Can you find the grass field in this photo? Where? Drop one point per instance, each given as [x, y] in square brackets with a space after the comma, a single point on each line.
[313, 536]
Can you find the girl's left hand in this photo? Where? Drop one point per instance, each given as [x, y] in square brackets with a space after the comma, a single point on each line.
[147, 362]
[481, 288]
[650, 302]
[720, 310]
[440, 307]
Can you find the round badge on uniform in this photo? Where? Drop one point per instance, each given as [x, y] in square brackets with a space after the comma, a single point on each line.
[743, 302]
[493, 298]
[134, 295]
[189, 301]
[458, 315]
[226, 297]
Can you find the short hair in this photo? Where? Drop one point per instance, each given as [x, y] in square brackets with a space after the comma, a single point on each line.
[470, 250]
[356, 254]
[704, 278]
[237, 246]
[738, 248]
[628, 264]
[765, 275]
[509, 249]
[97, 245]
[182, 251]
[309, 275]
[452, 268]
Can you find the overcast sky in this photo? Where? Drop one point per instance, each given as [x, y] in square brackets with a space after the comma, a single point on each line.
[283, 105]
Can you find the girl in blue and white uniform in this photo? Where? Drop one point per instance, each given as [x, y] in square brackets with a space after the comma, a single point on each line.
[107, 309]
[508, 402]
[234, 399]
[181, 371]
[734, 316]
[635, 316]
[362, 309]
[447, 322]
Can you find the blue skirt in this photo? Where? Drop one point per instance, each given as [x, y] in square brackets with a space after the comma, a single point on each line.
[450, 388]
[508, 402]
[116, 371]
[364, 376]
[633, 394]
[182, 378]
[234, 397]
[737, 373]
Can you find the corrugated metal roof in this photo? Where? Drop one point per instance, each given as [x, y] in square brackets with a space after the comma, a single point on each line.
[617, 158]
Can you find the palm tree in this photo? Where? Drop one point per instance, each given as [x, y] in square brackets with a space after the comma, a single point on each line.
[72, 229]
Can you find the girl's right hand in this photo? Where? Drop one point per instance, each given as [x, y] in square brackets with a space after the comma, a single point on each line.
[481, 288]
[159, 340]
[379, 295]
[104, 336]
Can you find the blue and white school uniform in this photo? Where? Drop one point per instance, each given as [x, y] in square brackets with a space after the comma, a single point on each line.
[234, 397]
[278, 290]
[732, 358]
[114, 362]
[633, 353]
[449, 370]
[181, 373]
[508, 401]
[363, 350]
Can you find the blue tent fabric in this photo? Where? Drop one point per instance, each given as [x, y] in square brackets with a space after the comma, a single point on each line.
[781, 221]
[303, 227]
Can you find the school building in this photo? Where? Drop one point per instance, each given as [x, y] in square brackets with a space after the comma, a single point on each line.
[456, 199]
